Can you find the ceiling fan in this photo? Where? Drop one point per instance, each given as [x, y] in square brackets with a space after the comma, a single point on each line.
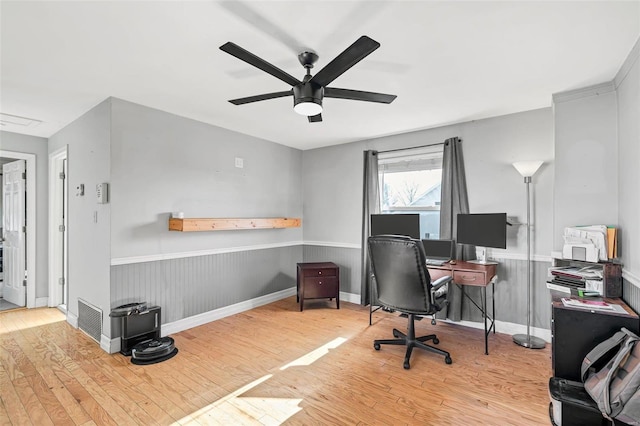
[309, 93]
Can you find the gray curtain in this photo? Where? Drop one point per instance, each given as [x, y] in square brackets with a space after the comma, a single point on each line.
[370, 205]
[454, 200]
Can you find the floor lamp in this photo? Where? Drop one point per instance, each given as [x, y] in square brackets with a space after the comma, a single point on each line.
[528, 169]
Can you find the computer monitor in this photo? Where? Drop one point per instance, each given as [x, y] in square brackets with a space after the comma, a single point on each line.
[396, 224]
[442, 250]
[483, 230]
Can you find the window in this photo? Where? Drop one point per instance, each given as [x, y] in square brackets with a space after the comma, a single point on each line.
[410, 182]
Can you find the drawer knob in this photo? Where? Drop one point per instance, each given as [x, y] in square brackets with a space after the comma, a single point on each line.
[319, 272]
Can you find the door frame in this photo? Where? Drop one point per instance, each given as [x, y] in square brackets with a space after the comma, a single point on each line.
[55, 239]
[32, 266]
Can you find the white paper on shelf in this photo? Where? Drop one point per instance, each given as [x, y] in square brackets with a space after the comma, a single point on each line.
[556, 287]
[594, 285]
[593, 234]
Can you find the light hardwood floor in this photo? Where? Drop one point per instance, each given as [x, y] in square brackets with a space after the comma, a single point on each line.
[270, 365]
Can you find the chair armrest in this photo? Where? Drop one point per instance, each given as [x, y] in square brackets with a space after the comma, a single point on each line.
[435, 285]
[439, 287]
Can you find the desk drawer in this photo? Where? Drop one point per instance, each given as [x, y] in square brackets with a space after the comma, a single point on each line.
[320, 287]
[439, 273]
[469, 278]
[319, 272]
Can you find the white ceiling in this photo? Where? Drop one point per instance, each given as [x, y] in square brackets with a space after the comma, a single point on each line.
[447, 61]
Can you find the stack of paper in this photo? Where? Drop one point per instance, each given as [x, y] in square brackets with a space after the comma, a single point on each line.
[565, 278]
[587, 304]
[586, 243]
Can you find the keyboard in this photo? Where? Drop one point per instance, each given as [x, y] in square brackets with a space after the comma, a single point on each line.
[433, 262]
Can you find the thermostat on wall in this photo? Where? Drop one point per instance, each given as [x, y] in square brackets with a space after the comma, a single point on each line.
[102, 192]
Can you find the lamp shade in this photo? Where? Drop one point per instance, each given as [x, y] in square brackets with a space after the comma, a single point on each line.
[527, 168]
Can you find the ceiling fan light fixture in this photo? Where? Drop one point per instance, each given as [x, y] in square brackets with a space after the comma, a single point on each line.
[308, 107]
[307, 99]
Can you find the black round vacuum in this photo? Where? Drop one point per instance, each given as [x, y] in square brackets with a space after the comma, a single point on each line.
[153, 350]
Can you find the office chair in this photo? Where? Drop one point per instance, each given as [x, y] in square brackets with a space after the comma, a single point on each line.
[403, 284]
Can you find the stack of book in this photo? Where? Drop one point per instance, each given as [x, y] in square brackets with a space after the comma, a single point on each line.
[571, 279]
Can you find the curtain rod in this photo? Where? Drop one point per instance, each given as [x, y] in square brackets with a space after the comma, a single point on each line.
[413, 147]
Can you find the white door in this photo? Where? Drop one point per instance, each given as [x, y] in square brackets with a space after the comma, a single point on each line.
[13, 228]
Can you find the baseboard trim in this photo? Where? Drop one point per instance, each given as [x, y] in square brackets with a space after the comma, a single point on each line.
[42, 302]
[72, 319]
[350, 297]
[216, 314]
[507, 328]
[107, 344]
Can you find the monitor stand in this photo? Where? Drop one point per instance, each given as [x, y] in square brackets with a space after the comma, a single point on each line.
[481, 257]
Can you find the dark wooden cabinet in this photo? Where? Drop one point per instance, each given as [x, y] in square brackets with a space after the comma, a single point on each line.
[318, 281]
[575, 331]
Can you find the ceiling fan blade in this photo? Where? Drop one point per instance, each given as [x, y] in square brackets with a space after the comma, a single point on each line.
[357, 95]
[315, 118]
[244, 55]
[256, 98]
[341, 63]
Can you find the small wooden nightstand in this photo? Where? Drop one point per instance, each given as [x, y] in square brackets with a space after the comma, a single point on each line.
[318, 281]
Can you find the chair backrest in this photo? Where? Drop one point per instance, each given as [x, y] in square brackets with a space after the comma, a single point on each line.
[401, 276]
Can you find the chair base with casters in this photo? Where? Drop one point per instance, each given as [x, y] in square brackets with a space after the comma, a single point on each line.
[411, 341]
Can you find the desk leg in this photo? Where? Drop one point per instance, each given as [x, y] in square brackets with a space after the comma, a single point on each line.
[493, 306]
[484, 314]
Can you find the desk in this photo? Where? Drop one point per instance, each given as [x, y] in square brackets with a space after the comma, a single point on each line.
[472, 274]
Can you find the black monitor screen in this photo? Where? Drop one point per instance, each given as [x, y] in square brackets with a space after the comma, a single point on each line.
[396, 224]
[483, 229]
[439, 249]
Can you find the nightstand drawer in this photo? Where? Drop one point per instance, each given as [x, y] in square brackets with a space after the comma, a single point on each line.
[469, 278]
[315, 288]
[319, 272]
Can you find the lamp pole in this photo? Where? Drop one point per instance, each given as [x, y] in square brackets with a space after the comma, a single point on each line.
[527, 340]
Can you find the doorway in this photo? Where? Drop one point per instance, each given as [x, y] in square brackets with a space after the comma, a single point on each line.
[58, 230]
[28, 270]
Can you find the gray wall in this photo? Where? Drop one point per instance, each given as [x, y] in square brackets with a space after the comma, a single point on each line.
[88, 141]
[333, 175]
[163, 163]
[586, 155]
[38, 146]
[628, 90]
[333, 198]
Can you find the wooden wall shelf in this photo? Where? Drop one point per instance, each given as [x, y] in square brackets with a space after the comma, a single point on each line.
[222, 224]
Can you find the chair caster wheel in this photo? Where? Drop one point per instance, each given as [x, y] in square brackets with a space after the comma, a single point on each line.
[433, 322]
[395, 333]
[448, 360]
[376, 346]
[435, 341]
[406, 365]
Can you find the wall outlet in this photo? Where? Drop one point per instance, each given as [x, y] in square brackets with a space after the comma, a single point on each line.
[239, 162]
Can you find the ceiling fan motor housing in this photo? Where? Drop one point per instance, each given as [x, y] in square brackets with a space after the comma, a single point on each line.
[307, 92]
